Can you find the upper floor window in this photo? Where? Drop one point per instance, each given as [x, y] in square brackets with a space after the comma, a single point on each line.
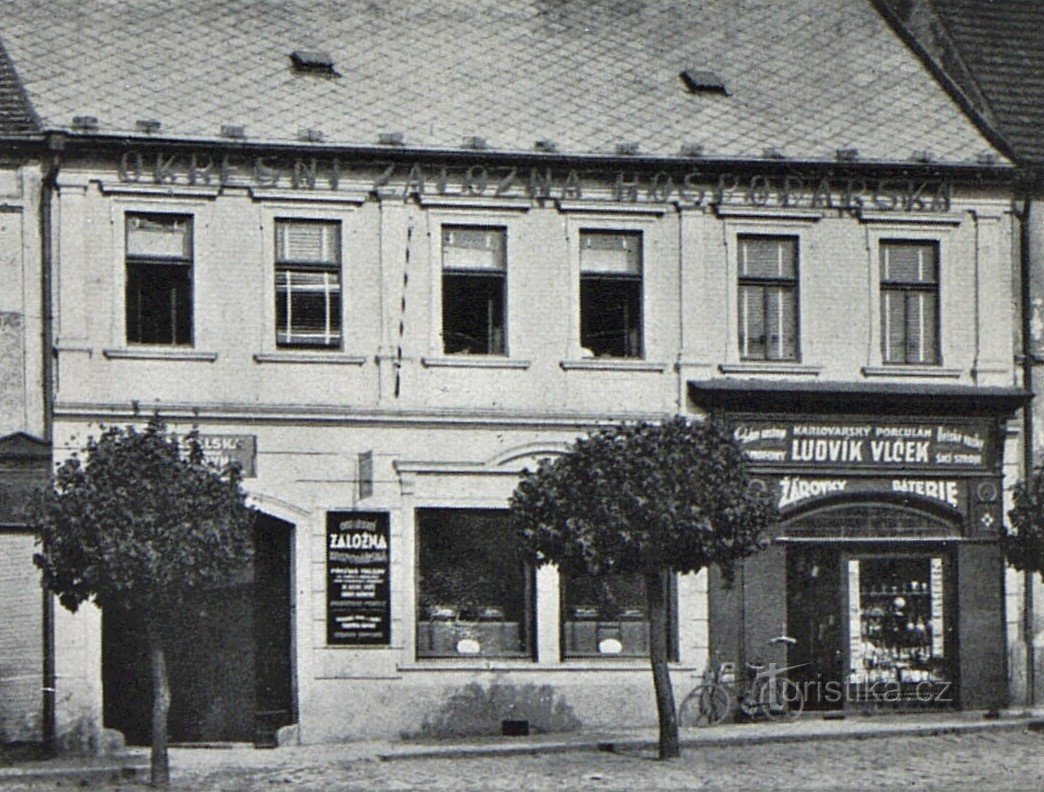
[308, 284]
[768, 295]
[159, 279]
[910, 302]
[611, 293]
[474, 283]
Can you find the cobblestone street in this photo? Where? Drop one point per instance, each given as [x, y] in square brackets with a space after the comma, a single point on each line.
[998, 760]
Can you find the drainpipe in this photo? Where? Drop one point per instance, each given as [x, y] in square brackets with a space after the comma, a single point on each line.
[48, 187]
[1029, 360]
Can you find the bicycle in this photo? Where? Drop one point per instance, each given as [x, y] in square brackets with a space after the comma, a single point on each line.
[769, 693]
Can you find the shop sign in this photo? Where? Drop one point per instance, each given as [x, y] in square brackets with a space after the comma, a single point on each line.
[796, 490]
[223, 449]
[407, 179]
[358, 605]
[871, 445]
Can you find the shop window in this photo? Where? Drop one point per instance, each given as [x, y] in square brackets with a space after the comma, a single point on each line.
[607, 616]
[474, 589]
[898, 629]
[474, 283]
[768, 297]
[308, 284]
[611, 294]
[910, 302]
[159, 279]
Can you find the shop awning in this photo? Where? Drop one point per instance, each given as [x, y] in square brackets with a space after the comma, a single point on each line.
[866, 398]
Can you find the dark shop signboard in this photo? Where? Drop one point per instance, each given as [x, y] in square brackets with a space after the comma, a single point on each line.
[870, 445]
[358, 609]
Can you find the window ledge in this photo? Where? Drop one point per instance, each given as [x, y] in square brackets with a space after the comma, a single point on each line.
[793, 369]
[325, 358]
[306, 196]
[636, 664]
[475, 202]
[612, 364]
[936, 372]
[608, 207]
[159, 353]
[910, 218]
[769, 212]
[474, 361]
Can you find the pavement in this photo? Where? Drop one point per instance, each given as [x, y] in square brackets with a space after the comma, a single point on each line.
[194, 762]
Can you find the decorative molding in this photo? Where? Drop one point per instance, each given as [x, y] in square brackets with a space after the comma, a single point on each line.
[612, 364]
[324, 358]
[495, 664]
[769, 212]
[475, 202]
[146, 353]
[610, 208]
[165, 190]
[789, 369]
[475, 361]
[910, 218]
[933, 372]
[63, 346]
[306, 196]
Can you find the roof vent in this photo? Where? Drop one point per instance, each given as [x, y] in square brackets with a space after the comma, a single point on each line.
[703, 81]
[313, 62]
[627, 149]
[310, 135]
[233, 131]
[692, 149]
[546, 146]
[846, 154]
[391, 138]
[147, 125]
[773, 152]
[986, 158]
[85, 123]
[922, 155]
[475, 142]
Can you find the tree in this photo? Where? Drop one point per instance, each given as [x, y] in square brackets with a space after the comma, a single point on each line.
[646, 499]
[1024, 546]
[137, 526]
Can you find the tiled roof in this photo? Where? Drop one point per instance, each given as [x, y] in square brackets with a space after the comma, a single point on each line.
[1002, 43]
[15, 114]
[806, 77]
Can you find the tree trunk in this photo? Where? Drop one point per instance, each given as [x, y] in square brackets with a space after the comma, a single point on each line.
[160, 773]
[656, 598]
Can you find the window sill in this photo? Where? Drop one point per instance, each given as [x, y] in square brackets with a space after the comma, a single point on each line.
[936, 372]
[474, 361]
[769, 212]
[910, 218]
[768, 367]
[617, 664]
[159, 353]
[325, 358]
[612, 364]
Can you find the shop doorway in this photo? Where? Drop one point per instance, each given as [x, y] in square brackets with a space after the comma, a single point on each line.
[229, 656]
[815, 621]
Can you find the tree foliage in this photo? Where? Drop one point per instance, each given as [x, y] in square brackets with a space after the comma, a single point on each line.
[140, 524]
[1024, 546]
[640, 498]
[646, 499]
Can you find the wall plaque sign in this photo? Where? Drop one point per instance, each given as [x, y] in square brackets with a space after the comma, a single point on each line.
[358, 606]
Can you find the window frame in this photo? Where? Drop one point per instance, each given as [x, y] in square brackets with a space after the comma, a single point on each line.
[637, 279]
[770, 285]
[452, 626]
[906, 289]
[279, 265]
[186, 264]
[468, 224]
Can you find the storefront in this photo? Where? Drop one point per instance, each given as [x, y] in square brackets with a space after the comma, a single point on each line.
[887, 568]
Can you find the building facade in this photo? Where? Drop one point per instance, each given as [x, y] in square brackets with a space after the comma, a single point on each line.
[385, 320]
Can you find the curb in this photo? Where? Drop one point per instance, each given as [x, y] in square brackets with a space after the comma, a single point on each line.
[612, 744]
[82, 775]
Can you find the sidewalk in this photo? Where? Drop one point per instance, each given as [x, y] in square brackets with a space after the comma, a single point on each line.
[196, 762]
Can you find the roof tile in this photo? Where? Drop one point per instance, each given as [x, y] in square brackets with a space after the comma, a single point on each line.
[804, 76]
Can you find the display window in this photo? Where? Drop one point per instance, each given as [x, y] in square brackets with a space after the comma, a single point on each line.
[474, 589]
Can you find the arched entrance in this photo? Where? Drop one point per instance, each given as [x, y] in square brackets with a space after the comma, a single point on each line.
[229, 656]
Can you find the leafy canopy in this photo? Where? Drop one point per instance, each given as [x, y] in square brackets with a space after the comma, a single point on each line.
[641, 497]
[140, 523]
[1025, 546]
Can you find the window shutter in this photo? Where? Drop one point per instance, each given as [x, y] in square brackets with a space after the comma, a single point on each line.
[909, 263]
[768, 258]
[315, 243]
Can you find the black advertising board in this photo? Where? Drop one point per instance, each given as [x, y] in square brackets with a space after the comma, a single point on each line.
[358, 609]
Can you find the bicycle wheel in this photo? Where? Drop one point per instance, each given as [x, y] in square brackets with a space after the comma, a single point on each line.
[706, 705]
[780, 699]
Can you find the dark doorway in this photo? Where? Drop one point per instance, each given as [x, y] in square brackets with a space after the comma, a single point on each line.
[814, 619]
[228, 656]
